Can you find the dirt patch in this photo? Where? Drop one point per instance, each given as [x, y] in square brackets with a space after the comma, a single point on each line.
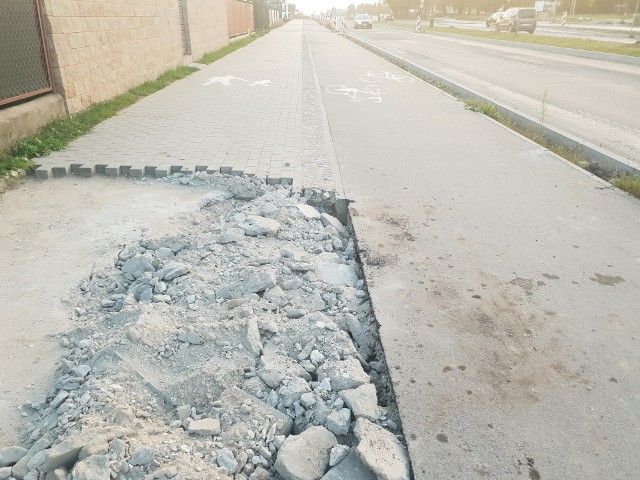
[54, 234]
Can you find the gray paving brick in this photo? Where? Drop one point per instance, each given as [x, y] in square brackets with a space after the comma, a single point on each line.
[190, 126]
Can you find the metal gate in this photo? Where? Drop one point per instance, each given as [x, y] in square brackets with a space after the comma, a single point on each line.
[24, 65]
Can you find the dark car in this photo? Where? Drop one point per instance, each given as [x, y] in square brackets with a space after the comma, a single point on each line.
[362, 20]
[518, 20]
[388, 17]
[493, 18]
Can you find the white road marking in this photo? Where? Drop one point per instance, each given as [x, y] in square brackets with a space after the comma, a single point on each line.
[223, 80]
[371, 92]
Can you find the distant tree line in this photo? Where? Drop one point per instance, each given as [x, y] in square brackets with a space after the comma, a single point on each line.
[401, 8]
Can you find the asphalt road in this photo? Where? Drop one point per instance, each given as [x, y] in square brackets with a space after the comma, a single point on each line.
[504, 279]
[611, 33]
[592, 99]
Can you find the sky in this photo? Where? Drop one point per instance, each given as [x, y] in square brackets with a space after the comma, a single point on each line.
[309, 6]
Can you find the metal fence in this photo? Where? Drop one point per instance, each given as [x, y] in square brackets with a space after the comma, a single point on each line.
[239, 17]
[24, 68]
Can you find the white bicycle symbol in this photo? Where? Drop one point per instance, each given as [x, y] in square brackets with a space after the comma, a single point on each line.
[372, 92]
[377, 76]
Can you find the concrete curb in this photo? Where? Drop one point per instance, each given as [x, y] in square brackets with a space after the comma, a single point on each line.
[554, 135]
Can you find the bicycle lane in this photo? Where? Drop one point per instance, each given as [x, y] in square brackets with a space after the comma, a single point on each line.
[505, 281]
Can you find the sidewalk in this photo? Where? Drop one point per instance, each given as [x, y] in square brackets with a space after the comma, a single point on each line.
[240, 115]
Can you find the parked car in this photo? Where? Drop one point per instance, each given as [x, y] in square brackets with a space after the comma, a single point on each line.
[362, 20]
[388, 17]
[517, 20]
[493, 18]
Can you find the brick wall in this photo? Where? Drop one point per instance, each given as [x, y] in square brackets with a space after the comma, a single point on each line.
[100, 49]
[207, 26]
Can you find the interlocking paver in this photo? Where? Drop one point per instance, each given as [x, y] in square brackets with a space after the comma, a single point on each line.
[219, 119]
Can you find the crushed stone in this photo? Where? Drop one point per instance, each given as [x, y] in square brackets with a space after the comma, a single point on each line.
[220, 353]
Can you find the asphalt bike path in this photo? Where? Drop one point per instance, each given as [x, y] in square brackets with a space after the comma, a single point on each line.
[505, 280]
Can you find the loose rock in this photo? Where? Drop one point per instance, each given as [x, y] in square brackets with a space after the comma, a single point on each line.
[381, 451]
[305, 456]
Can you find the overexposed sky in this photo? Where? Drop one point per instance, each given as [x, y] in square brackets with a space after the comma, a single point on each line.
[309, 6]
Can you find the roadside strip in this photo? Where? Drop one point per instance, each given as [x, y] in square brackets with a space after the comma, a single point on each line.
[589, 151]
[574, 52]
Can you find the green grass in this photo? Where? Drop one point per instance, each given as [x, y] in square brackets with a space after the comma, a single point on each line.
[167, 78]
[488, 109]
[232, 47]
[628, 183]
[573, 43]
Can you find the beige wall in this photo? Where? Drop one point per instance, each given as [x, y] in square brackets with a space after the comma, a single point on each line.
[100, 49]
[207, 26]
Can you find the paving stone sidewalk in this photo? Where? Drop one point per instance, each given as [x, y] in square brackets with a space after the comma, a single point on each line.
[239, 115]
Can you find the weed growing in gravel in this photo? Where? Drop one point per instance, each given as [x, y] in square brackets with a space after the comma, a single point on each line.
[488, 109]
[628, 183]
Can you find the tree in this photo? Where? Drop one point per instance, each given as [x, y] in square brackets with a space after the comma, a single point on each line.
[351, 10]
[400, 8]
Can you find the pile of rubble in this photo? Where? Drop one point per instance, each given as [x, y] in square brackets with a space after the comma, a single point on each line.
[244, 347]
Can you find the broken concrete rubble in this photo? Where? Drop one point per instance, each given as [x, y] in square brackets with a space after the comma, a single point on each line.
[219, 347]
[381, 451]
[305, 456]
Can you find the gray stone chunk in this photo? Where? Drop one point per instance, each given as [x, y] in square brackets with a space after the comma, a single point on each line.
[137, 265]
[344, 374]
[337, 454]
[308, 211]
[63, 454]
[205, 427]
[164, 253]
[58, 474]
[234, 398]
[255, 225]
[81, 370]
[363, 401]
[328, 220]
[275, 367]
[252, 341]
[251, 280]
[381, 451]
[226, 460]
[141, 456]
[292, 390]
[212, 198]
[339, 422]
[5, 472]
[33, 475]
[336, 274]
[175, 271]
[95, 467]
[183, 412]
[190, 337]
[36, 460]
[351, 468]
[230, 236]
[305, 456]
[11, 455]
